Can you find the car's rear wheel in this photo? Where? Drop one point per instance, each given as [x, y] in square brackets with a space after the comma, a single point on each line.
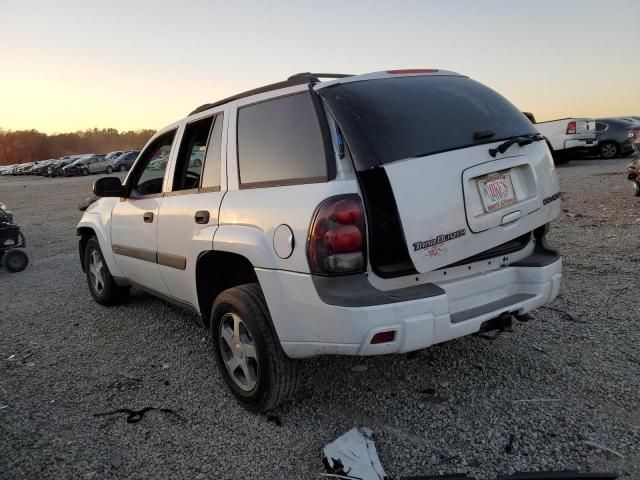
[609, 150]
[15, 260]
[122, 168]
[248, 352]
[109, 170]
[102, 286]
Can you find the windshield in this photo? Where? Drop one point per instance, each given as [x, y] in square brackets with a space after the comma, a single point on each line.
[391, 119]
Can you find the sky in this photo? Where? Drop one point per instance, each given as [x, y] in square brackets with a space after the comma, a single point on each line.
[70, 65]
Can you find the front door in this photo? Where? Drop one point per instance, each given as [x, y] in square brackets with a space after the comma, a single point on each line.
[134, 220]
[189, 212]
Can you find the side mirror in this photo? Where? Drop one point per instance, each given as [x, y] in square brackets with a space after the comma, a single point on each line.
[109, 187]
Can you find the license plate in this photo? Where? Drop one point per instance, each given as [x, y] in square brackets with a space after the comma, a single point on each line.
[497, 191]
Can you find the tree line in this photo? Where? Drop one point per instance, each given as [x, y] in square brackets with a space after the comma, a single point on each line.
[19, 146]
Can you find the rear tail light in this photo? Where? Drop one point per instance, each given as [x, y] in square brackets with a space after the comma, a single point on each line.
[634, 132]
[571, 127]
[337, 237]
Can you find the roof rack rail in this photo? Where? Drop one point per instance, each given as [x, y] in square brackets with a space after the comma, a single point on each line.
[296, 79]
[317, 76]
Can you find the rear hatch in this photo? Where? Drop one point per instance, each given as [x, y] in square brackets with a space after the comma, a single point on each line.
[432, 136]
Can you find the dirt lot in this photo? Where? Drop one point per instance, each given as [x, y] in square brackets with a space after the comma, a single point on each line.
[550, 395]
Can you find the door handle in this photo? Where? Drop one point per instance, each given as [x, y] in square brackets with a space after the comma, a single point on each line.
[202, 217]
[148, 217]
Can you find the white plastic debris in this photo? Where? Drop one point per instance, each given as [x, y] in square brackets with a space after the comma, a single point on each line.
[356, 452]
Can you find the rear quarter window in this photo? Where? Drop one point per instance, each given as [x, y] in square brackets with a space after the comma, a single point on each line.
[280, 142]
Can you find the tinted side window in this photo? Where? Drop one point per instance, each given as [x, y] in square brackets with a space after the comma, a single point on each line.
[601, 127]
[149, 175]
[280, 141]
[211, 174]
[191, 155]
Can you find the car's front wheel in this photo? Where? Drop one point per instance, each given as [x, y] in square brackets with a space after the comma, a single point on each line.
[249, 355]
[122, 168]
[85, 171]
[109, 170]
[102, 286]
[15, 260]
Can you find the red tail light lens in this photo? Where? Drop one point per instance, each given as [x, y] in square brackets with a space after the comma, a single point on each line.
[336, 243]
[571, 127]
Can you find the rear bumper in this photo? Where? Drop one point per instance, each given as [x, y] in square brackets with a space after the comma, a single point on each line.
[307, 326]
[580, 145]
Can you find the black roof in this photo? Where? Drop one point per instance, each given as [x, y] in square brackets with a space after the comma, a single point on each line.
[296, 79]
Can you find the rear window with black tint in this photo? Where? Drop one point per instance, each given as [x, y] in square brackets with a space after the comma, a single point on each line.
[280, 142]
[408, 117]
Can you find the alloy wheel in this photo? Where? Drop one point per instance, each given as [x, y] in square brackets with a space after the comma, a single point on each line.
[238, 351]
[97, 271]
[609, 150]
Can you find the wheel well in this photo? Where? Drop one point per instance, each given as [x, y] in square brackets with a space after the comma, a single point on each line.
[217, 271]
[85, 233]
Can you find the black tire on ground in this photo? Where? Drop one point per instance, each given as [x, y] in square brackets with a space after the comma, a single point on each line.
[85, 171]
[609, 150]
[15, 260]
[122, 168]
[109, 170]
[278, 376]
[105, 292]
[636, 189]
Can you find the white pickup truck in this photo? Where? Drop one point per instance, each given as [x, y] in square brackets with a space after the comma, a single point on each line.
[568, 136]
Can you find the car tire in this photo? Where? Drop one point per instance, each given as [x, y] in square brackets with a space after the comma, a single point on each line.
[609, 150]
[264, 377]
[15, 260]
[636, 188]
[109, 170]
[101, 284]
[122, 168]
[85, 171]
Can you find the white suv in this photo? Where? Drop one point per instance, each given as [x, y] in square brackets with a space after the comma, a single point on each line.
[363, 215]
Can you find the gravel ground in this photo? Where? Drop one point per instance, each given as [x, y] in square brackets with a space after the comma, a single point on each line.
[530, 400]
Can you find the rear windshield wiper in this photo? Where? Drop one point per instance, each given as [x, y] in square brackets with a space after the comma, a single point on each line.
[521, 140]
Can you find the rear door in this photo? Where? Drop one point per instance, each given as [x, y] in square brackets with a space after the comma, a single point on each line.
[432, 135]
[188, 215]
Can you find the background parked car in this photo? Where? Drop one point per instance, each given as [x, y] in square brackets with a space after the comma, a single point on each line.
[124, 161]
[89, 164]
[41, 167]
[24, 168]
[615, 137]
[114, 155]
[55, 169]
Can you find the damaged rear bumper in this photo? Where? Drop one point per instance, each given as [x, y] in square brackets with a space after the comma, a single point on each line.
[419, 316]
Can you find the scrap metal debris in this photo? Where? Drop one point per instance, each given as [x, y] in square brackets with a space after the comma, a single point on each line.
[354, 456]
[604, 448]
[134, 416]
